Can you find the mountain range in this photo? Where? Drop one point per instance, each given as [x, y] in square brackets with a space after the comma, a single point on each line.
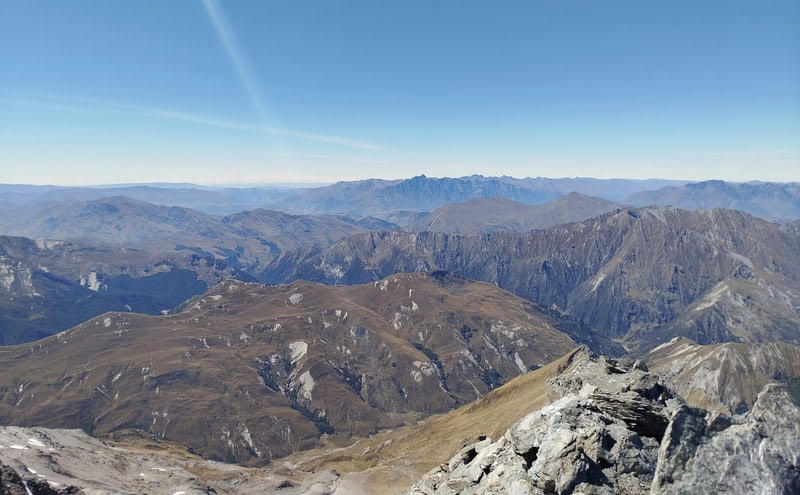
[641, 275]
[404, 197]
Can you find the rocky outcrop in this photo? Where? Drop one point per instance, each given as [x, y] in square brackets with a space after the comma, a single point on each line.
[12, 484]
[613, 430]
[752, 453]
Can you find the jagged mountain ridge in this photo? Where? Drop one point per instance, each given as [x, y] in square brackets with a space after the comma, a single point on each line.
[643, 274]
[248, 372]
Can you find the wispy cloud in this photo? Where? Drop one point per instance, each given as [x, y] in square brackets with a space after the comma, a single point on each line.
[82, 105]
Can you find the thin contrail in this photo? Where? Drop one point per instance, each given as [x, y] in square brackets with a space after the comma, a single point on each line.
[236, 56]
[70, 104]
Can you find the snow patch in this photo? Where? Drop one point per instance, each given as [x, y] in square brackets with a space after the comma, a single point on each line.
[90, 281]
[35, 442]
[600, 277]
[520, 363]
[306, 385]
[296, 298]
[297, 350]
[245, 432]
[712, 297]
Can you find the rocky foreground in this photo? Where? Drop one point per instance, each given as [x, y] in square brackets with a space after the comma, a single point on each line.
[607, 428]
[619, 430]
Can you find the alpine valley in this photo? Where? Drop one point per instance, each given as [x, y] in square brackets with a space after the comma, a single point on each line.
[423, 336]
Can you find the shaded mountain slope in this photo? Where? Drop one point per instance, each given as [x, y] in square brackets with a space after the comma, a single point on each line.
[248, 372]
[770, 200]
[644, 275]
[48, 286]
[486, 215]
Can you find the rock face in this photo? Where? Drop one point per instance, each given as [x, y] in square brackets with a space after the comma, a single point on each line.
[12, 484]
[752, 453]
[618, 430]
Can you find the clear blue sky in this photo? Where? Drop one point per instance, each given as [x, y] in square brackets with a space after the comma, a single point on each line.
[273, 91]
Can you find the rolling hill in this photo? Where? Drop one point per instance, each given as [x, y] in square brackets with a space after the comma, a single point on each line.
[247, 372]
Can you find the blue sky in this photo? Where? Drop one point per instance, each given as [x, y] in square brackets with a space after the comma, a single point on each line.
[112, 91]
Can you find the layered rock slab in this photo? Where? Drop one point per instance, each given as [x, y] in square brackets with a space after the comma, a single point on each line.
[612, 430]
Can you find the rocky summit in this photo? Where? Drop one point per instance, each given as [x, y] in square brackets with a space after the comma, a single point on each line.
[615, 429]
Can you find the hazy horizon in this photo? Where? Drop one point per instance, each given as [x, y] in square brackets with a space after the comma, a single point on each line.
[303, 185]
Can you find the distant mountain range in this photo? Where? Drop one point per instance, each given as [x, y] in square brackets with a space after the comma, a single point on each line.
[248, 240]
[444, 299]
[773, 201]
[645, 275]
[421, 193]
[486, 215]
[398, 200]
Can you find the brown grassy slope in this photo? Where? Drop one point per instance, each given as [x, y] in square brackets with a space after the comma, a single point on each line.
[248, 373]
[390, 461]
